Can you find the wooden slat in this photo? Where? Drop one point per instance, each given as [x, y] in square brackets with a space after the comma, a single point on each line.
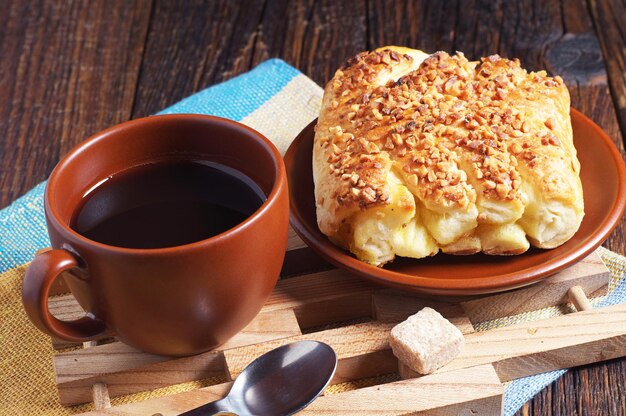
[464, 392]
[297, 292]
[438, 394]
[548, 344]
[590, 274]
[126, 370]
[349, 307]
[171, 405]
[353, 345]
[99, 391]
[394, 307]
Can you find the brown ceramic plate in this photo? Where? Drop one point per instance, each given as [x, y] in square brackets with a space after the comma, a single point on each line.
[604, 185]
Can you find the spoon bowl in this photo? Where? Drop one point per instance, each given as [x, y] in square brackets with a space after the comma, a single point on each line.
[280, 382]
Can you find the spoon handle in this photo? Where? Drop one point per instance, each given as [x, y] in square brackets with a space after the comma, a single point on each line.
[210, 409]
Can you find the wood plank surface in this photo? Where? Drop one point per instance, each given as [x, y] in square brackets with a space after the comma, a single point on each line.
[191, 45]
[70, 69]
[516, 351]
[126, 370]
[590, 274]
[434, 395]
[609, 21]
[171, 405]
[537, 347]
[438, 394]
[360, 348]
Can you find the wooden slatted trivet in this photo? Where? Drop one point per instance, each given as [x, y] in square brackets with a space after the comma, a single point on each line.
[300, 306]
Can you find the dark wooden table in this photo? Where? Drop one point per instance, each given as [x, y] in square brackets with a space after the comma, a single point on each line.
[71, 68]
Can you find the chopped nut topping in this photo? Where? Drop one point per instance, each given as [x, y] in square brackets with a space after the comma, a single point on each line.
[502, 190]
[516, 148]
[525, 127]
[422, 118]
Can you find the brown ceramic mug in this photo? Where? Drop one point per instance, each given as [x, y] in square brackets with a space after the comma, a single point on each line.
[177, 300]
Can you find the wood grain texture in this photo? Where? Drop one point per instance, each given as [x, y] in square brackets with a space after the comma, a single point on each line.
[171, 405]
[362, 351]
[609, 21]
[426, 25]
[191, 45]
[540, 346]
[304, 293]
[394, 307]
[433, 395]
[337, 30]
[68, 70]
[590, 274]
[438, 394]
[99, 391]
[126, 370]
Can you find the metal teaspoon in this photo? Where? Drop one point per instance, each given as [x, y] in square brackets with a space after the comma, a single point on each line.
[280, 382]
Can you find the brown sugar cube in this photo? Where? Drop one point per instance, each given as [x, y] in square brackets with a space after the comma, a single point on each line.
[426, 341]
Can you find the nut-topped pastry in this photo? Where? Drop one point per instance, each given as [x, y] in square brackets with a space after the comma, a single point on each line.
[415, 153]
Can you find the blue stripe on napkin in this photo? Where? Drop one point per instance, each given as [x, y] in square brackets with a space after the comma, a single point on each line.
[240, 96]
[22, 229]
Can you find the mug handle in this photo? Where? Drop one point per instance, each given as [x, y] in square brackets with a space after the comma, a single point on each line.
[40, 275]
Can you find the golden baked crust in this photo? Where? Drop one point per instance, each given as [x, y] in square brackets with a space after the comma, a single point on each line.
[415, 153]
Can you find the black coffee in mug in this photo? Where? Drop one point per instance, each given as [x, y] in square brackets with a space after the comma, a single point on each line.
[166, 204]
